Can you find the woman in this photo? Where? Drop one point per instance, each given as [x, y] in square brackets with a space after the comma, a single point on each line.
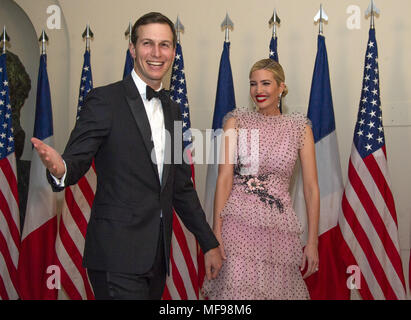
[258, 230]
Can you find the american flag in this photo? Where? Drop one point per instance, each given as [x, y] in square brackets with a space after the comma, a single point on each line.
[274, 56]
[273, 49]
[187, 261]
[75, 216]
[86, 82]
[369, 221]
[128, 65]
[9, 202]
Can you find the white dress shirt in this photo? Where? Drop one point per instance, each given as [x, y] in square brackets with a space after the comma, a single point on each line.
[155, 117]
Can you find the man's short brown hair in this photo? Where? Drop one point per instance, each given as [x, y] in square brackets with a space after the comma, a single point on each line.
[152, 17]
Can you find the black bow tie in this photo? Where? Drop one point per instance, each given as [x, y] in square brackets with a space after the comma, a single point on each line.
[151, 93]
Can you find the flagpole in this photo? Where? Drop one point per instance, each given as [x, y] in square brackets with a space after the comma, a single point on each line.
[4, 38]
[179, 28]
[320, 17]
[43, 39]
[128, 32]
[321, 31]
[226, 25]
[372, 11]
[129, 63]
[275, 19]
[88, 34]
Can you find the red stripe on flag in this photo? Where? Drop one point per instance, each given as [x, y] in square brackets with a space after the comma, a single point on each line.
[67, 285]
[200, 266]
[166, 294]
[329, 282]
[178, 281]
[200, 254]
[76, 257]
[384, 149]
[382, 185]
[376, 220]
[14, 231]
[182, 241]
[5, 166]
[11, 268]
[367, 249]
[409, 273]
[37, 253]
[87, 191]
[75, 211]
[3, 291]
[349, 260]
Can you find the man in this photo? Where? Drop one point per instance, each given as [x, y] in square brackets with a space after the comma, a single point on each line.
[124, 129]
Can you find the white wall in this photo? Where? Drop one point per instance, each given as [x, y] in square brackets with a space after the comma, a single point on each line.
[202, 45]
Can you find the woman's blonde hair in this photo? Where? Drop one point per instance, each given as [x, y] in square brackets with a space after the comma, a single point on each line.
[275, 68]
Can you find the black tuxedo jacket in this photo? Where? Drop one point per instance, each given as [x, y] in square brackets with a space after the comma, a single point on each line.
[124, 225]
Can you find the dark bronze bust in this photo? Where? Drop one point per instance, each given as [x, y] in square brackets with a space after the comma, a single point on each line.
[19, 85]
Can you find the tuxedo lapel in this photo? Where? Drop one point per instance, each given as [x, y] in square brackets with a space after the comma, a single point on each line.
[140, 116]
[168, 147]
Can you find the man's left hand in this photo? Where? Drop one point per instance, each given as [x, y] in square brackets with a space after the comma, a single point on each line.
[213, 263]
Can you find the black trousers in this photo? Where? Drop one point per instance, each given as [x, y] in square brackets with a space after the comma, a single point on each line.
[125, 286]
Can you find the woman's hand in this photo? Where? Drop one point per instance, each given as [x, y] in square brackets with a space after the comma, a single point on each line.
[310, 257]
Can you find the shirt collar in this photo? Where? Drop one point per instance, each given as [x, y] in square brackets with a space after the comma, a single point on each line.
[140, 84]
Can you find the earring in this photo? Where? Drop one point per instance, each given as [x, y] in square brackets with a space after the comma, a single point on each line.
[279, 100]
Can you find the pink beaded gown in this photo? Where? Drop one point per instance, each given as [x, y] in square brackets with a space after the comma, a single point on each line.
[261, 232]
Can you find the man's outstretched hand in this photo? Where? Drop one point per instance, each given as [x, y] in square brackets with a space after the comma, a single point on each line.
[51, 159]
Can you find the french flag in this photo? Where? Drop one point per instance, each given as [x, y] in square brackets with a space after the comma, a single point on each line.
[38, 275]
[330, 281]
[224, 103]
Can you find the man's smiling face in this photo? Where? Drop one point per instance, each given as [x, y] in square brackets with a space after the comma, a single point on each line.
[153, 52]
